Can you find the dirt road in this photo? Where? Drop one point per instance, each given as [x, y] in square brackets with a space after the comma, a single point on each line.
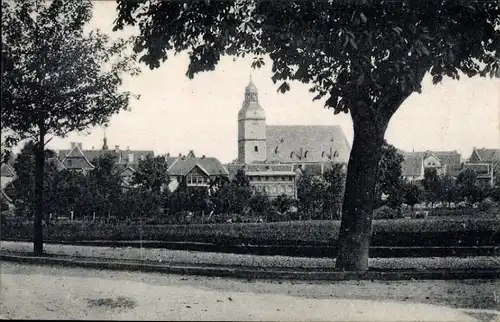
[42, 292]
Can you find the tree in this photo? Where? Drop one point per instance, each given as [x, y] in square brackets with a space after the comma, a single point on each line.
[104, 185]
[152, 174]
[57, 78]
[360, 56]
[432, 185]
[260, 204]
[414, 194]
[389, 180]
[24, 184]
[448, 191]
[334, 190]
[283, 202]
[310, 193]
[467, 185]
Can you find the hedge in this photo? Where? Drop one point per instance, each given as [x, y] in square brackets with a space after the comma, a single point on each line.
[398, 232]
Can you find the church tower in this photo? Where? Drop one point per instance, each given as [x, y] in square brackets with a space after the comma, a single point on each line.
[251, 128]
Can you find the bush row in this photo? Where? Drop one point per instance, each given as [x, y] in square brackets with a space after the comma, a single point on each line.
[399, 232]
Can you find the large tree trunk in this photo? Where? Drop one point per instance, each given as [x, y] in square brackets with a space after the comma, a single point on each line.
[39, 174]
[359, 197]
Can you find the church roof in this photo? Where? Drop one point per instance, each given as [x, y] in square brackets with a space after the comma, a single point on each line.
[306, 143]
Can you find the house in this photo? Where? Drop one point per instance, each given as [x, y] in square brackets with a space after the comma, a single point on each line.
[8, 175]
[272, 179]
[415, 163]
[486, 163]
[193, 171]
[78, 159]
[413, 168]
[485, 172]
[491, 156]
[283, 148]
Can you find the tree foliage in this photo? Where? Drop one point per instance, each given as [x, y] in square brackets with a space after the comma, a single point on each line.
[363, 57]
[57, 77]
[389, 177]
[432, 185]
[151, 173]
[413, 194]
[55, 74]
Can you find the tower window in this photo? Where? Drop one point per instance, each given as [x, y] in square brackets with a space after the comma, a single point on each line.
[256, 148]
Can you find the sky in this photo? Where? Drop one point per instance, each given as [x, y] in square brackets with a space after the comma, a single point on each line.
[176, 114]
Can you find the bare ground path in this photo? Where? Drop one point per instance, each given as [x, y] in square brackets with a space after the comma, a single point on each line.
[43, 292]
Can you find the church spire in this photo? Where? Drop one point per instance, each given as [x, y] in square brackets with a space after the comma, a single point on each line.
[105, 140]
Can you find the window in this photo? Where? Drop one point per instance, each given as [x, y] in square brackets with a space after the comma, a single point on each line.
[256, 148]
[336, 154]
[276, 150]
[291, 155]
[305, 154]
[323, 154]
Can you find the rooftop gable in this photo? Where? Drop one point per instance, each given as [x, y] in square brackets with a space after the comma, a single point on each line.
[488, 155]
[7, 170]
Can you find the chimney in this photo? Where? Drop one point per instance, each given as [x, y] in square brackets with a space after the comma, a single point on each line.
[93, 148]
[168, 155]
[180, 155]
[128, 147]
[203, 156]
[72, 144]
[117, 148]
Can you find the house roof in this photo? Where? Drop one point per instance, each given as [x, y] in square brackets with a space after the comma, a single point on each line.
[479, 168]
[412, 166]
[445, 157]
[183, 165]
[4, 196]
[121, 155]
[7, 170]
[488, 155]
[76, 159]
[56, 163]
[454, 169]
[287, 143]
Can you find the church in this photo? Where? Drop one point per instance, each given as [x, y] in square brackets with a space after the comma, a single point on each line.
[272, 155]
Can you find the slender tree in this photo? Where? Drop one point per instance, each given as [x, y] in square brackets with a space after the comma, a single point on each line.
[414, 194]
[432, 185]
[389, 180]
[57, 77]
[364, 57]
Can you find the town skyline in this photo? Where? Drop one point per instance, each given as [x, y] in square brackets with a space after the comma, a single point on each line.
[175, 114]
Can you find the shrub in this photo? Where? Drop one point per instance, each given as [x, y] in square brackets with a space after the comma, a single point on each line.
[393, 232]
[385, 212]
[487, 204]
